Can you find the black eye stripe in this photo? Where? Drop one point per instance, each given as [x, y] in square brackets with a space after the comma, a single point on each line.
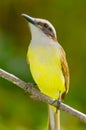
[50, 29]
[39, 23]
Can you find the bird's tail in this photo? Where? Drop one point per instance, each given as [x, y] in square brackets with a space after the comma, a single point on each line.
[53, 118]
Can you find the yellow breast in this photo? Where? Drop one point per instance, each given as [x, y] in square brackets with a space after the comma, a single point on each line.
[46, 70]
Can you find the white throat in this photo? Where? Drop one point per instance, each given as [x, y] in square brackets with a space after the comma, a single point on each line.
[38, 35]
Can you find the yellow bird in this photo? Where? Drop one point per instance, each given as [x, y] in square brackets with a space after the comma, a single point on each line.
[48, 64]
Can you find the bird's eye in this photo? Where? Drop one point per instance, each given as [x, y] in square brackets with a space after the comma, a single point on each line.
[45, 25]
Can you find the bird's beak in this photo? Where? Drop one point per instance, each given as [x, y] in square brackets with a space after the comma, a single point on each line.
[30, 19]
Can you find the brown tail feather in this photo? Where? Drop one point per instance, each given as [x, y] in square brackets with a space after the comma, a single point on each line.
[53, 119]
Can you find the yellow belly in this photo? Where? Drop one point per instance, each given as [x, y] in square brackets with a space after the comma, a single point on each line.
[46, 70]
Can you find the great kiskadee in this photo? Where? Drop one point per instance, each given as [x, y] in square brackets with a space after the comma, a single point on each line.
[48, 64]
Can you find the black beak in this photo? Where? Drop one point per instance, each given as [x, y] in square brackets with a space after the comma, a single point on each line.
[30, 19]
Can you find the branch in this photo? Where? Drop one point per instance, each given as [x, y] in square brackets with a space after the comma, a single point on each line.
[29, 87]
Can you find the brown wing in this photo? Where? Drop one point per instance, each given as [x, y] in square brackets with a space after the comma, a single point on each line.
[65, 71]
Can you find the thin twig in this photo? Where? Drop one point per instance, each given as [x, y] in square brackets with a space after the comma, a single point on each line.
[29, 87]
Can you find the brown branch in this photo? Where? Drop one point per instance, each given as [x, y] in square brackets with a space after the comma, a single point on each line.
[29, 87]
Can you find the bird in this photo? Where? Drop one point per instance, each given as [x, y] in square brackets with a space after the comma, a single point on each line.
[48, 65]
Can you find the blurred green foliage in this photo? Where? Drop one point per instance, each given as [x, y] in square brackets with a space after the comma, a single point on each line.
[17, 110]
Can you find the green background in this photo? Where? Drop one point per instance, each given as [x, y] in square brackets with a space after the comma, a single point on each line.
[17, 110]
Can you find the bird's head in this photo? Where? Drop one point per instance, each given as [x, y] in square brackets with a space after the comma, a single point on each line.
[44, 25]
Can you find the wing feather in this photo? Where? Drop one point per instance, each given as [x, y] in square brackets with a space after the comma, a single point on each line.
[65, 71]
